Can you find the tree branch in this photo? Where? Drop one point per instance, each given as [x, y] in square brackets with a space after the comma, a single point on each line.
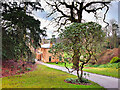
[68, 68]
[88, 4]
[76, 10]
[105, 16]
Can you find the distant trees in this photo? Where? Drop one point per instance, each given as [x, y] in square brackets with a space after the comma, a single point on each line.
[53, 39]
[81, 42]
[112, 34]
[19, 29]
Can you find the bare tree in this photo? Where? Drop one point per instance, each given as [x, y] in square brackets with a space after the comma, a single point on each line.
[69, 12]
[112, 33]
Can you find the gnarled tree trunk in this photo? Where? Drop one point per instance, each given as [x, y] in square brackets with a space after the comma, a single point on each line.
[76, 58]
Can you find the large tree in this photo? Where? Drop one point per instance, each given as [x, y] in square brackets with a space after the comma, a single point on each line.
[19, 29]
[114, 30]
[81, 42]
[112, 34]
[69, 12]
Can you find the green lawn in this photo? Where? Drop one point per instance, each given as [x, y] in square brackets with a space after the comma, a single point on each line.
[61, 64]
[43, 77]
[104, 71]
[0, 83]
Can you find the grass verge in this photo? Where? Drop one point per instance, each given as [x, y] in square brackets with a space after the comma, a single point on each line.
[43, 77]
[104, 69]
[61, 64]
[113, 72]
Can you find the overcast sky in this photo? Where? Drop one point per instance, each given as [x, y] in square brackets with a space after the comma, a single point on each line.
[119, 17]
[112, 14]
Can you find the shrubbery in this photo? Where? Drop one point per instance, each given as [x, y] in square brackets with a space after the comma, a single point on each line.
[118, 66]
[76, 81]
[28, 69]
[115, 60]
[11, 67]
[106, 55]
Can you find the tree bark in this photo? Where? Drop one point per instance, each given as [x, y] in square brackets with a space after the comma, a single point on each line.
[78, 74]
[79, 12]
[76, 58]
[76, 11]
[81, 72]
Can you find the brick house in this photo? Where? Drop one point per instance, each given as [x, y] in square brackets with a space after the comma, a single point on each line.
[42, 54]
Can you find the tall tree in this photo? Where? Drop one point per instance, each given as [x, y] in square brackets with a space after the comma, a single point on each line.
[69, 12]
[81, 41]
[114, 28]
[112, 34]
[19, 28]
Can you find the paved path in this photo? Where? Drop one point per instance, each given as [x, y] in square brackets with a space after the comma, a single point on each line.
[105, 81]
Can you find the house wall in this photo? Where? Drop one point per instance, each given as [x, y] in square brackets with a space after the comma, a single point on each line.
[46, 55]
[38, 56]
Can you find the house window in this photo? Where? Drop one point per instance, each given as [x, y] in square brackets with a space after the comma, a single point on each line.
[49, 58]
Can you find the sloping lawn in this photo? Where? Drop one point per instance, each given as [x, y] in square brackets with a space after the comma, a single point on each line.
[113, 72]
[61, 64]
[0, 83]
[42, 77]
[104, 69]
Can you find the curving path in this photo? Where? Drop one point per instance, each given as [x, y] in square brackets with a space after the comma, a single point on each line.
[110, 83]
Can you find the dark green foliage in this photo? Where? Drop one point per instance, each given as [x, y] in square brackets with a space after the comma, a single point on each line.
[76, 81]
[118, 66]
[19, 67]
[18, 71]
[19, 30]
[7, 71]
[33, 62]
[115, 60]
[12, 66]
[85, 80]
[77, 40]
[21, 70]
[32, 57]
[53, 39]
[69, 79]
[28, 69]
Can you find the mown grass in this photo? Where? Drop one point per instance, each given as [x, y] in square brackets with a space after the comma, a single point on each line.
[108, 65]
[43, 77]
[61, 64]
[113, 72]
[0, 83]
[104, 69]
